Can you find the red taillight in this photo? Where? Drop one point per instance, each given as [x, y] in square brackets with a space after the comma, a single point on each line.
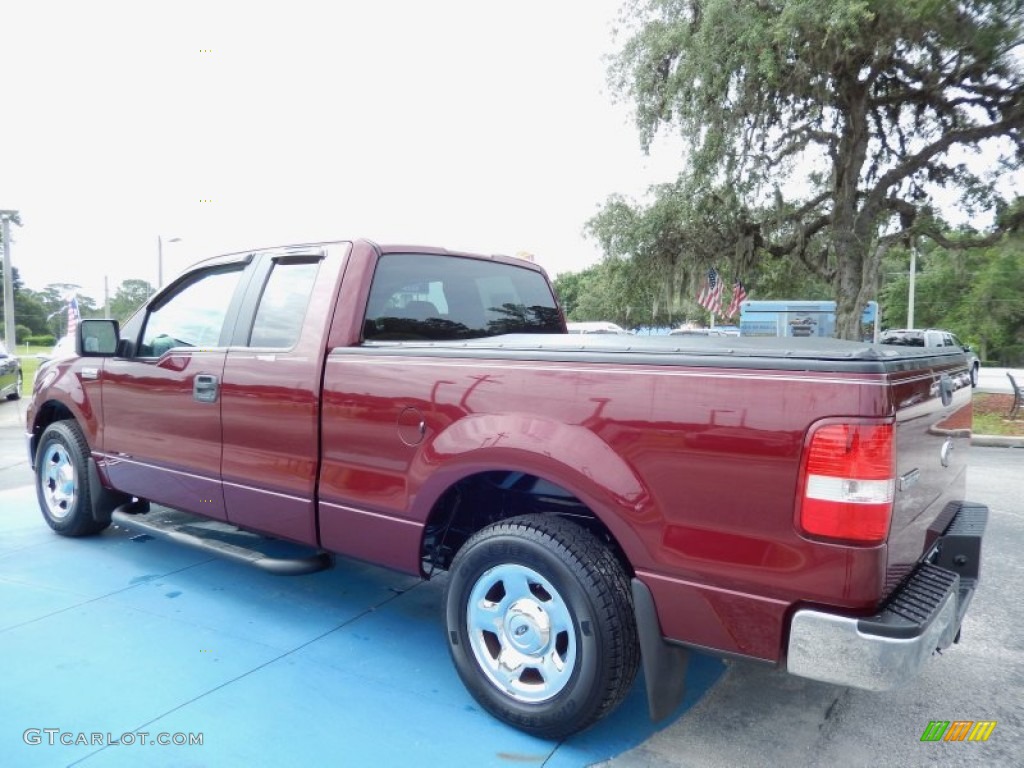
[848, 482]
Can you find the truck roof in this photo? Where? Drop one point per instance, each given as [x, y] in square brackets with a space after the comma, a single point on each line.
[306, 248]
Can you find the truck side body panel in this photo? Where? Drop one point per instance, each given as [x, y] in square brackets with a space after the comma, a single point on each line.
[694, 470]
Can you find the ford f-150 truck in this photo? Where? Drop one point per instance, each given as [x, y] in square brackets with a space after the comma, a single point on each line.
[599, 503]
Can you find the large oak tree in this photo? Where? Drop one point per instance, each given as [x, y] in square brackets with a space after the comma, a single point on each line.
[824, 131]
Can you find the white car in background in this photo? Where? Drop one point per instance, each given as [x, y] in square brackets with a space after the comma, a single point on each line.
[597, 327]
[699, 332]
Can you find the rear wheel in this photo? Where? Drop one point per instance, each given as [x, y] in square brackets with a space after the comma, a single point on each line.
[540, 624]
[62, 481]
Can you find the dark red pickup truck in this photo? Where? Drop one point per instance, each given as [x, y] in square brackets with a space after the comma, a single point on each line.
[597, 502]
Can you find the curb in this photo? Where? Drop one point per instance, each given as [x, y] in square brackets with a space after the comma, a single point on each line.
[998, 441]
[991, 441]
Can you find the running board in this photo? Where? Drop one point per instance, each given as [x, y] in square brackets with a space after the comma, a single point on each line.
[225, 539]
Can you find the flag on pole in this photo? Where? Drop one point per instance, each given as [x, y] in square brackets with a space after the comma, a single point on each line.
[710, 296]
[72, 316]
[739, 295]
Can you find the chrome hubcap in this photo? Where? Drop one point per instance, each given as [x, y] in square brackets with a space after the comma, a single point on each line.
[521, 633]
[58, 481]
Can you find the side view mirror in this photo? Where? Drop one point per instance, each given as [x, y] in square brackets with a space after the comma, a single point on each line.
[97, 338]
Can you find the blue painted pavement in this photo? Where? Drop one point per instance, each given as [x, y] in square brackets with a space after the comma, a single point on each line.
[121, 635]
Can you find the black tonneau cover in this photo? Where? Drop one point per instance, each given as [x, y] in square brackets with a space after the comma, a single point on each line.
[715, 351]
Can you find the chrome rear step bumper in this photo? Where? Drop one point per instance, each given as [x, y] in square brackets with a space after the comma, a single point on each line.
[924, 614]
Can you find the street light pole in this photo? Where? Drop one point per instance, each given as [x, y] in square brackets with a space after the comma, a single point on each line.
[913, 281]
[160, 259]
[6, 217]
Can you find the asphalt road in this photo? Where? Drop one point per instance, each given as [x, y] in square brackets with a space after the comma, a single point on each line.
[756, 716]
[996, 380]
[14, 470]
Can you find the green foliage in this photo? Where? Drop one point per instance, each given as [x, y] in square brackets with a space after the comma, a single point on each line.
[667, 246]
[130, 295]
[42, 340]
[978, 294]
[87, 307]
[21, 333]
[616, 291]
[27, 309]
[818, 131]
[55, 296]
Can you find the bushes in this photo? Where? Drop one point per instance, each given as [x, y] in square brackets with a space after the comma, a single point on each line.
[44, 340]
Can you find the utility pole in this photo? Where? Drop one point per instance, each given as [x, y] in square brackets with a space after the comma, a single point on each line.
[913, 278]
[6, 217]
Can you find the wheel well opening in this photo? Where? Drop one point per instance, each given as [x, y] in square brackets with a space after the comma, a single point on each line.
[48, 413]
[485, 498]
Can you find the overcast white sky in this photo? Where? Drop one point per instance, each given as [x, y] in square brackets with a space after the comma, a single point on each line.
[460, 123]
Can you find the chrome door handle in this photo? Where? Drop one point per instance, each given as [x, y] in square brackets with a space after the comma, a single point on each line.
[204, 388]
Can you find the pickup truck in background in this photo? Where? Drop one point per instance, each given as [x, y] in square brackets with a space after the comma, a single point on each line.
[934, 338]
[598, 502]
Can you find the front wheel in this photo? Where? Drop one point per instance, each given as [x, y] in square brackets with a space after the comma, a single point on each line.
[62, 481]
[540, 624]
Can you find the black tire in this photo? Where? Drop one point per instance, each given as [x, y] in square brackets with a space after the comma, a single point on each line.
[62, 481]
[16, 394]
[561, 606]
[974, 375]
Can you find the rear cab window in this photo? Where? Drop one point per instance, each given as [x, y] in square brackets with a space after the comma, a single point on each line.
[283, 303]
[431, 297]
[903, 338]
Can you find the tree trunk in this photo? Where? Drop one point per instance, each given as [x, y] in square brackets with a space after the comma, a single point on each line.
[852, 284]
[848, 314]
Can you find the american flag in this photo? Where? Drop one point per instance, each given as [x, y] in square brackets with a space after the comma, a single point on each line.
[710, 296]
[739, 295]
[72, 316]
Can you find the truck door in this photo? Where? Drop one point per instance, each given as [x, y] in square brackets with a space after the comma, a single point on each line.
[162, 401]
[271, 392]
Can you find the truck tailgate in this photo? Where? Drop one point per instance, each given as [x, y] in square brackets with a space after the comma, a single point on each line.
[931, 461]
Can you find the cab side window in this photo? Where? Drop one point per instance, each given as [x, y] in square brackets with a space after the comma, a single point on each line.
[282, 306]
[194, 315]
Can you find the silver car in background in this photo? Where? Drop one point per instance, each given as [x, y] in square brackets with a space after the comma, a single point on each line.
[10, 375]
